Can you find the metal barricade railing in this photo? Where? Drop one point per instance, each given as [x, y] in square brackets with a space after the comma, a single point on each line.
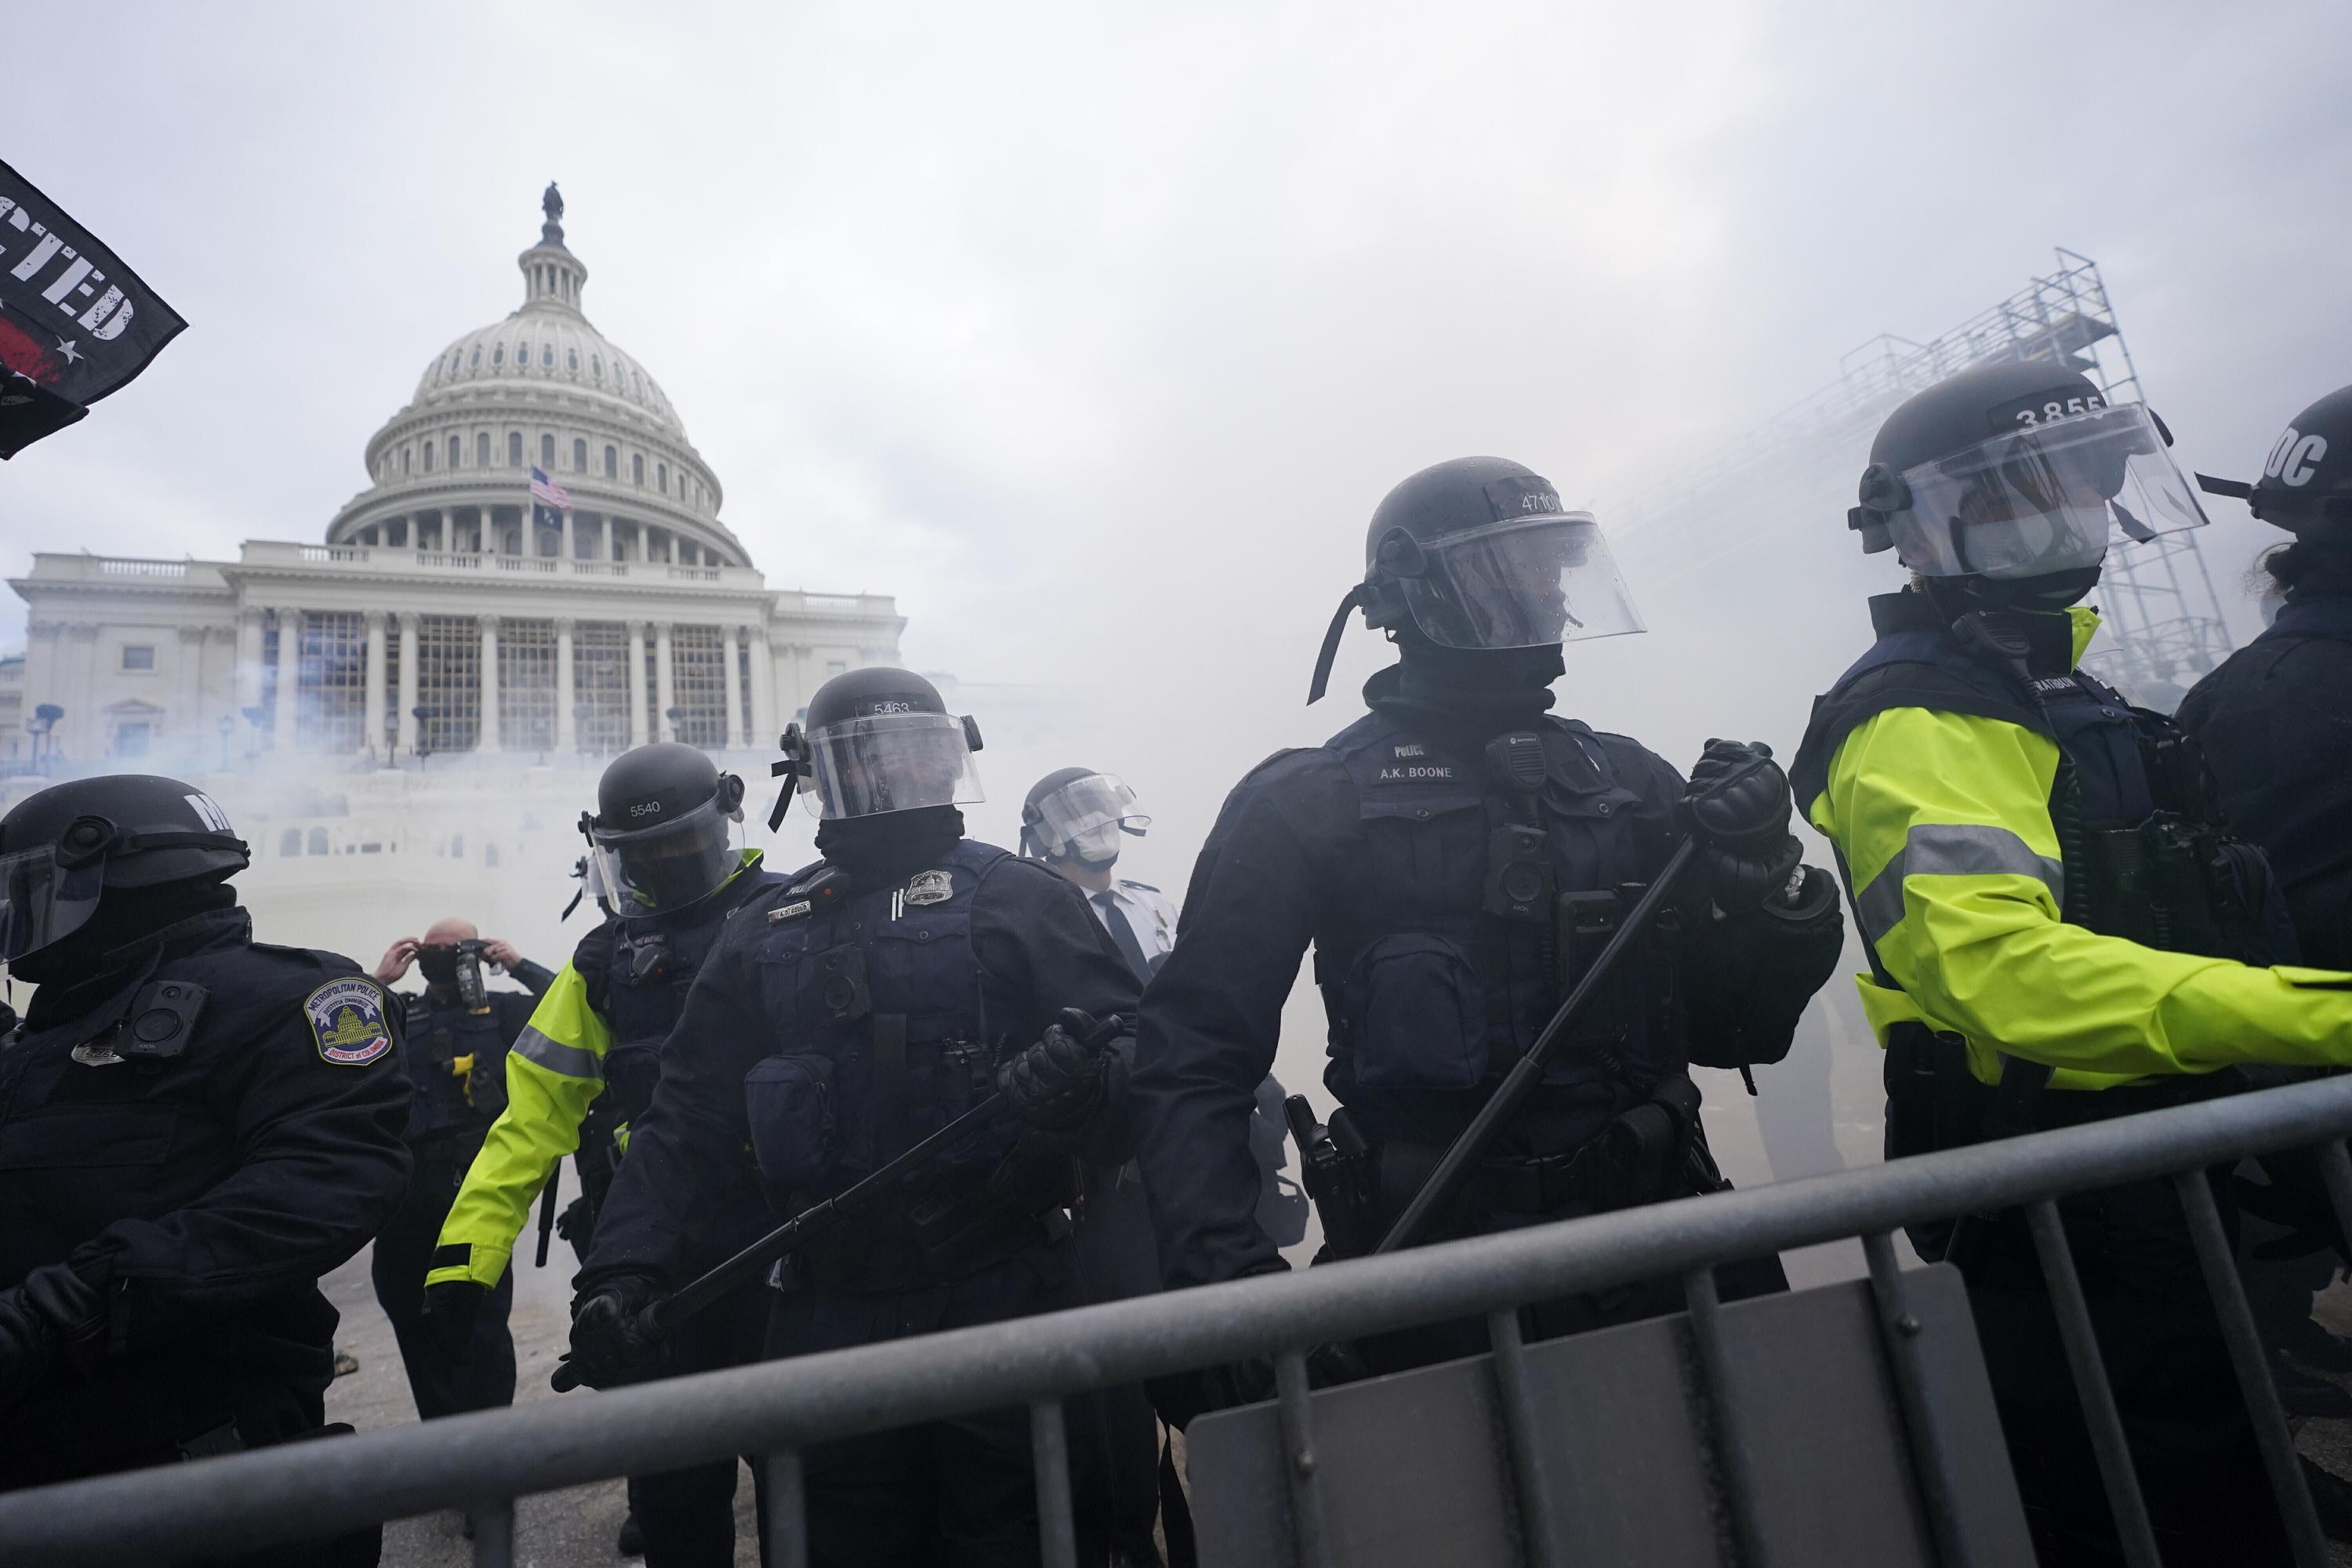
[482, 1462]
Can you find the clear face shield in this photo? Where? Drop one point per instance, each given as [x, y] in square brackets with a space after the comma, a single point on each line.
[1525, 582]
[2052, 496]
[669, 865]
[890, 761]
[1085, 818]
[46, 895]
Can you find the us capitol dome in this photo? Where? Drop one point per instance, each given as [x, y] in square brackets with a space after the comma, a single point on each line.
[462, 605]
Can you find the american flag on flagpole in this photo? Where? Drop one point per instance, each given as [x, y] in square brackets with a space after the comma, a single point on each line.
[547, 489]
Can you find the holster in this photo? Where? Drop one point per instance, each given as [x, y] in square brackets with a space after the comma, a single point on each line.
[1339, 1172]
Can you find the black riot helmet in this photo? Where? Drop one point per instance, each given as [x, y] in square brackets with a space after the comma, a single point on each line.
[663, 831]
[63, 847]
[2308, 478]
[1477, 553]
[877, 740]
[1077, 814]
[2016, 477]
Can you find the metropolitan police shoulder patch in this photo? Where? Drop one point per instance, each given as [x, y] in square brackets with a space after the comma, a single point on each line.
[346, 1018]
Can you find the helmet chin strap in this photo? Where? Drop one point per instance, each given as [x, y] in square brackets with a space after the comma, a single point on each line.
[1349, 603]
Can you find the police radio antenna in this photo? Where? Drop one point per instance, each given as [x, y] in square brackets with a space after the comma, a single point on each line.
[2156, 596]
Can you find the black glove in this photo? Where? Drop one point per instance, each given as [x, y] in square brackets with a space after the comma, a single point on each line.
[1055, 1084]
[1738, 803]
[55, 1317]
[610, 1346]
[577, 1223]
[451, 1310]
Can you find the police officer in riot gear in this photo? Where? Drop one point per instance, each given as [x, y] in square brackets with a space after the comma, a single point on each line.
[2275, 721]
[842, 1017]
[195, 1127]
[454, 1038]
[2276, 718]
[2061, 926]
[1455, 857]
[664, 852]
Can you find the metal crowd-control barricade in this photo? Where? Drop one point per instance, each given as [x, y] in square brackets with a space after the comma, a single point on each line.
[1902, 1333]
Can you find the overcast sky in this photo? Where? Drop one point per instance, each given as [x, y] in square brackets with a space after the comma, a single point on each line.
[1095, 332]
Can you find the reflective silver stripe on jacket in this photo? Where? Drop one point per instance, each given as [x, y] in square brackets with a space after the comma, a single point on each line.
[1952, 849]
[565, 1061]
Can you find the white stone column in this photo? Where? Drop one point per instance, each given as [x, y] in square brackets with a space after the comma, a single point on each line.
[247, 656]
[764, 720]
[489, 733]
[664, 681]
[731, 640]
[564, 548]
[248, 659]
[637, 683]
[82, 721]
[567, 728]
[219, 690]
[187, 719]
[406, 696]
[372, 710]
[605, 537]
[42, 676]
[286, 703]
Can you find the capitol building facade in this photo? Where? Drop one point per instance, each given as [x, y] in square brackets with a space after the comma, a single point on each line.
[446, 620]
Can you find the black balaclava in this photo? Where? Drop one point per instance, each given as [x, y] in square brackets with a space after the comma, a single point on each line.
[894, 845]
[1473, 693]
[82, 965]
[438, 965]
[2050, 594]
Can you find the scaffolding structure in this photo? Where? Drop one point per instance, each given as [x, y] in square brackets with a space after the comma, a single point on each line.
[2157, 598]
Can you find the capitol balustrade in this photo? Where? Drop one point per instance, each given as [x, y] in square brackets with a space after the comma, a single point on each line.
[405, 560]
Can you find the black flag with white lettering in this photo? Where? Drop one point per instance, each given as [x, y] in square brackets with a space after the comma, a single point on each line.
[75, 324]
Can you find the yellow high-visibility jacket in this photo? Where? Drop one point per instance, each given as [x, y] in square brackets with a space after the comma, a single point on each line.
[1943, 820]
[554, 1073]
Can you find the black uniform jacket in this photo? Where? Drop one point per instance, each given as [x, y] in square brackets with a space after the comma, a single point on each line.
[1039, 949]
[207, 1185]
[1290, 856]
[2276, 724]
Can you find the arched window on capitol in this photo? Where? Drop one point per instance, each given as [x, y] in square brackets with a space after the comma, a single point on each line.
[429, 457]
[579, 456]
[612, 463]
[638, 468]
[482, 449]
[514, 448]
[456, 449]
[546, 451]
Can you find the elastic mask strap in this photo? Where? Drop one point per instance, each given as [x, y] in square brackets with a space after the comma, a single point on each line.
[1348, 603]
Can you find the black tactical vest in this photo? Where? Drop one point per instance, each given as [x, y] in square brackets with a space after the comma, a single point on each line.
[876, 999]
[1444, 949]
[435, 1038]
[650, 967]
